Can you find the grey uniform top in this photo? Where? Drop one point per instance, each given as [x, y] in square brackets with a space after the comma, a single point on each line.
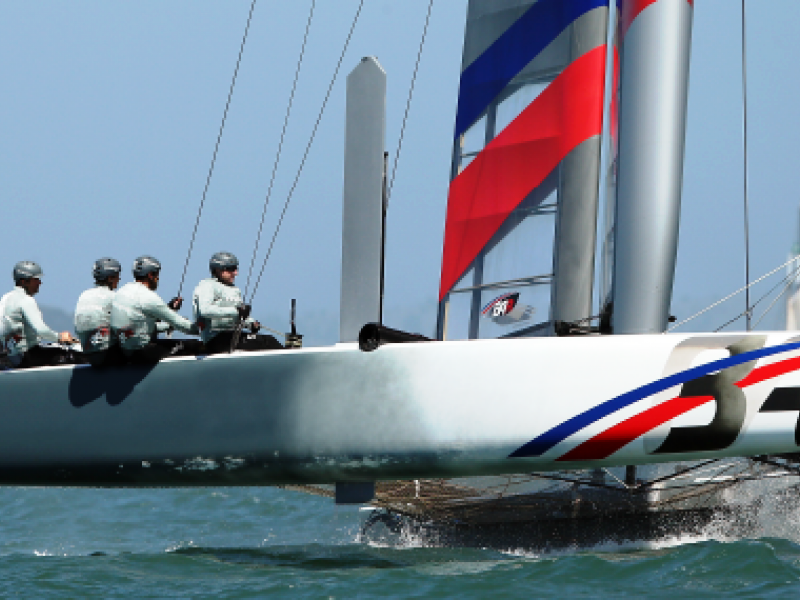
[24, 319]
[135, 311]
[93, 319]
[214, 305]
[8, 329]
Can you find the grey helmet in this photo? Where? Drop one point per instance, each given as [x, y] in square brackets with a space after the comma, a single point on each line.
[144, 265]
[222, 260]
[104, 268]
[26, 269]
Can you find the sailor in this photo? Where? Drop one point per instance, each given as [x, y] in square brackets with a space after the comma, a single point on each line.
[138, 315]
[221, 314]
[24, 326]
[7, 329]
[93, 316]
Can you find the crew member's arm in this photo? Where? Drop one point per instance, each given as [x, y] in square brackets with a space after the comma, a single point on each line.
[33, 319]
[162, 312]
[8, 327]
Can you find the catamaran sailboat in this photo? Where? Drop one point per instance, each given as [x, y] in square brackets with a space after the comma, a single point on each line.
[519, 261]
[518, 382]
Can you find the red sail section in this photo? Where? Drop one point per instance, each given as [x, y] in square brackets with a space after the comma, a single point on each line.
[567, 113]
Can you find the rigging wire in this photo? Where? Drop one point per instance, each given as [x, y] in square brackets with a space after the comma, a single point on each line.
[736, 293]
[308, 148]
[216, 146]
[787, 280]
[280, 145]
[786, 288]
[748, 308]
[408, 103]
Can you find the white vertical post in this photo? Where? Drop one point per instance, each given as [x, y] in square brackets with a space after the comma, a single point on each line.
[362, 212]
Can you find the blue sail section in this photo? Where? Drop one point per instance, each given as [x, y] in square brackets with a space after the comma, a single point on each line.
[490, 73]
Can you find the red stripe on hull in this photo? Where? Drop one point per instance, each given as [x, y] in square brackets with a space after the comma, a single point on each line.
[567, 113]
[608, 442]
[611, 440]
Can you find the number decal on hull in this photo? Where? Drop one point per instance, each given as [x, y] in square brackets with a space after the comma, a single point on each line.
[784, 399]
[731, 406]
[720, 381]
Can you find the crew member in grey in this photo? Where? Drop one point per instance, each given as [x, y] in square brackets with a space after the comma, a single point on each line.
[93, 316]
[138, 315]
[7, 329]
[26, 329]
[219, 310]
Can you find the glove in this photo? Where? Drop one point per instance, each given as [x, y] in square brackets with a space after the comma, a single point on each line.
[194, 330]
[244, 311]
[255, 326]
[65, 337]
[175, 303]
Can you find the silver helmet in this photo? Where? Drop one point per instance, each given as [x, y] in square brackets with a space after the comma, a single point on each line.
[144, 265]
[222, 260]
[104, 268]
[26, 269]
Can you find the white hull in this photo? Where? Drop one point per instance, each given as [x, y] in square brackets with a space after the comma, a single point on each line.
[417, 410]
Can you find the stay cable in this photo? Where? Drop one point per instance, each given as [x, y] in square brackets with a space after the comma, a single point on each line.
[216, 146]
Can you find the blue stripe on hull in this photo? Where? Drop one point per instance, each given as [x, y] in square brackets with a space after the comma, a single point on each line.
[549, 439]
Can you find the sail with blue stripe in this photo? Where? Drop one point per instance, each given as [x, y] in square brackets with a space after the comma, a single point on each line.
[522, 205]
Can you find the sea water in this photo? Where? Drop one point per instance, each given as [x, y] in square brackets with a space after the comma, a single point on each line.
[260, 542]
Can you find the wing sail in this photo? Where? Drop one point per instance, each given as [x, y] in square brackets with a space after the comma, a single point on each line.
[522, 205]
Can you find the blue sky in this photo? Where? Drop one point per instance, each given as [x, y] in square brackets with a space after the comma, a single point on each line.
[110, 112]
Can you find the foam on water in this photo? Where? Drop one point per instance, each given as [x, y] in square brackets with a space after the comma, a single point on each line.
[259, 542]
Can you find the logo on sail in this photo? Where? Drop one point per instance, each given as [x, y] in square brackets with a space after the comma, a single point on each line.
[506, 309]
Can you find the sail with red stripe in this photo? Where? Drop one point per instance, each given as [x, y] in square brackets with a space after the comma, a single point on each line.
[526, 165]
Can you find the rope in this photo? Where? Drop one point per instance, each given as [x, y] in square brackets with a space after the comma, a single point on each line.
[729, 296]
[748, 310]
[408, 103]
[308, 148]
[280, 144]
[216, 146]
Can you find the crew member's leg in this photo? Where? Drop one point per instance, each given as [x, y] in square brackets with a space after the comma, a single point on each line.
[50, 356]
[115, 357]
[181, 347]
[220, 343]
[150, 354]
[160, 349]
[112, 357]
[188, 347]
[258, 341]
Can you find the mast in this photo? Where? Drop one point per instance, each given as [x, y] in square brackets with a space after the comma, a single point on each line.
[654, 81]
